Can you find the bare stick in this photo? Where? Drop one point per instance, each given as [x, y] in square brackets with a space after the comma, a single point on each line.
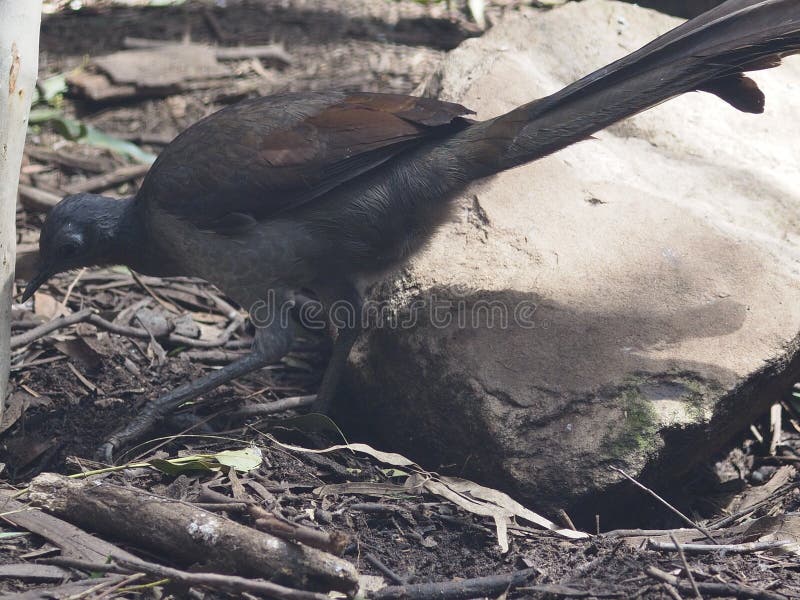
[566, 520]
[716, 589]
[745, 548]
[86, 315]
[268, 51]
[188, 534]
[387, 572]
[35, 199]
[334, 542]
[493, 585]
[674, 510]
[228, 583]
[779, 493]
[275, 407]
[53, 325]
[73, 161]
[107, 180]
[686, 568]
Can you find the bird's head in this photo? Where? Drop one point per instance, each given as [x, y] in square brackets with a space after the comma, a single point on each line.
[75, 234]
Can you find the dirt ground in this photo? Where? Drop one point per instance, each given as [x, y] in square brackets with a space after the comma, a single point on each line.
[74, 386]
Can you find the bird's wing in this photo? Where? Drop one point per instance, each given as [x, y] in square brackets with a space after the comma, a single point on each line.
[263, 157]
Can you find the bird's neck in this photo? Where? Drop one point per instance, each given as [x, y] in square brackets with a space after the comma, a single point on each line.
[130, 241]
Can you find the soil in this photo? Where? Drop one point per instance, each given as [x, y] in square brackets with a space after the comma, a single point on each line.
[71, 389]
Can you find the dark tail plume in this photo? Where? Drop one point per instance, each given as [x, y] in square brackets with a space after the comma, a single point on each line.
[711, 53]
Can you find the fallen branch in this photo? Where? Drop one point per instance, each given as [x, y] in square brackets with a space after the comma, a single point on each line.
[478, 587]
[73, 542]
[715, 589]
[686, 568]
[34, 334]
[65, 159]
[744, 548]
[189, 535]
[334, 542]
[35, 199]
[228, 583]
[87, 316]
[674, 510]
[268, 51]
[274, 407]
[107, 180]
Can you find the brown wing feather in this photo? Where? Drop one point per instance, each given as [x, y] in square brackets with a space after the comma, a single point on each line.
[270, 155]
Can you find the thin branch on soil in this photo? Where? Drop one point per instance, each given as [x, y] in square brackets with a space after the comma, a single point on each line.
[715, 589]
[274, 407]
[493, 585]
[87, 316]
[37, 199]
[107, 180]
[230, 583]
[189, 534]
[65, 159]
[34, 334]
[386, 571]
[266, 51]
[671, 591]
[334, 542]
[779, 493]
[628, 533]
[744, 548]
[674, 510]
[566, 520]
[686, 568]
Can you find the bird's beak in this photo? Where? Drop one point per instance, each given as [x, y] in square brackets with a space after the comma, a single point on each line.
[43, 273]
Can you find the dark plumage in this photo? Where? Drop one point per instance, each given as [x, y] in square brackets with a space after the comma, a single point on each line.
[321, 190]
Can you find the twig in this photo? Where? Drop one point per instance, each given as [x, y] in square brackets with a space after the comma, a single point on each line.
[36, 199]
[268, 51]
[716, 589]
[745, 548]
[214, 25]
[380, 566]
[674, 510]
[213, 580]
[775, 427]
[672, 591]
[107, 180]
[42, 330]
[566, 520]
[626, 533]
[231, 583]
[456, 590]
[93, 165]
[686, 568]
[86, 315]
[334, 542]
[779, 493]
[274, 407]
[186, 533]
[95, 389]
[168, 306]
[71, 287]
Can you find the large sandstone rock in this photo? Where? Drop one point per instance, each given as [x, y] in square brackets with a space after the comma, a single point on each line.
[661, 260]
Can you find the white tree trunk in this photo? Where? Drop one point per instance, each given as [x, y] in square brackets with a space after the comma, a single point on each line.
[19, 61]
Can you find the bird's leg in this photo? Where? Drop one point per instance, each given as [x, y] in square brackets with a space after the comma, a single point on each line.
[270, 345]
[346, 314]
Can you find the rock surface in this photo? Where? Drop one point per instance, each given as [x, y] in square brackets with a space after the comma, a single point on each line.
[653, 271]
